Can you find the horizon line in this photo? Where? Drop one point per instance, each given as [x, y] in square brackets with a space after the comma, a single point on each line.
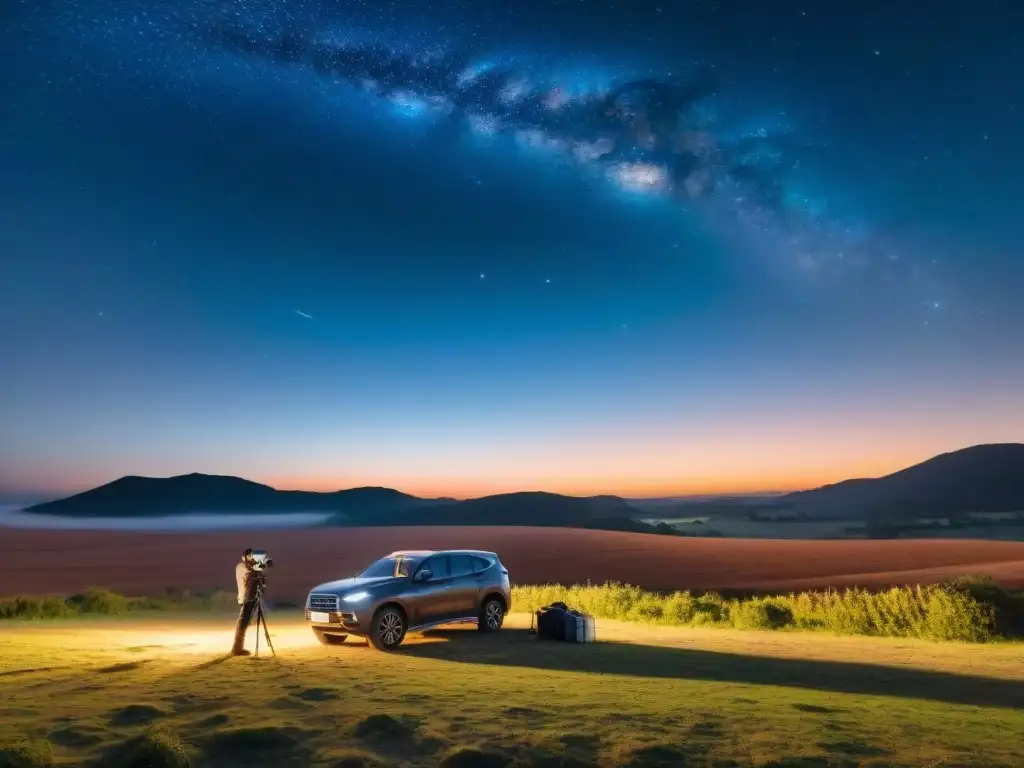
[662, 491]
[56, 495]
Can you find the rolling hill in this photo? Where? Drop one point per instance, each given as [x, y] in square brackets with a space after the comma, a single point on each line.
[983, 478]
[197, 493]
[133, 497]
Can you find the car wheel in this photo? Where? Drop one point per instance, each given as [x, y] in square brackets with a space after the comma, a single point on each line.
[325, 639]
[388, 629]
[492, 614]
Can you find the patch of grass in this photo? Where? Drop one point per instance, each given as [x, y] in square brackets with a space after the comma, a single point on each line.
[263, 745]
[27, 754]
[353, 758]
[136, 715]
[74, 737]
[472, 757]
[157, 748]
[971, 609]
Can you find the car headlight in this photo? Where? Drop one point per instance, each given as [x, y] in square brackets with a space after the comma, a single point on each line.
[355, 597]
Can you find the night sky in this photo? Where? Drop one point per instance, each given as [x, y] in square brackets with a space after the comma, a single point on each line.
[637, 247]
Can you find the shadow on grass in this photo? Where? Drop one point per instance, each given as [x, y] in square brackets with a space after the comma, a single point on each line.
[518, 648]
[213, 662]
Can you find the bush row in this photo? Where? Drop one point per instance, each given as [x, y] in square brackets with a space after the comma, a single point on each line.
[970, 609]
[102, 601]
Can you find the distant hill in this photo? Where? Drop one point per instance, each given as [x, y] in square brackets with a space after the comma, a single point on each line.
[197, 493]
[134, 497]
[523, 508]
[984, 478]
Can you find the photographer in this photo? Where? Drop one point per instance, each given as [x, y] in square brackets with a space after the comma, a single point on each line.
[245, 578]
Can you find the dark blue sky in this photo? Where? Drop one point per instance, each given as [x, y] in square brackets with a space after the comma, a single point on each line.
[456, 248]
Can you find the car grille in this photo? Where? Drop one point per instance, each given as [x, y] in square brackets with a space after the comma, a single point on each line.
[326, 603]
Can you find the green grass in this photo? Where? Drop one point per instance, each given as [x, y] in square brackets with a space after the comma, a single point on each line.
[158, 690]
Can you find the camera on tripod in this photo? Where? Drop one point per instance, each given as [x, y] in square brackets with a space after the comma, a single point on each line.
[261, 560]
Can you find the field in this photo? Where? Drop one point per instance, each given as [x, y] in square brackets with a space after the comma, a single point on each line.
[145, 563]
[155, 689]
[646, 697]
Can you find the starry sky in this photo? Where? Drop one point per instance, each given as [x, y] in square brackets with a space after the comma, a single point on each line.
[586, 246]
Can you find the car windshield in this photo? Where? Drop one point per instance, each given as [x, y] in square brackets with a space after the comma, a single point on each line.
[389, 566]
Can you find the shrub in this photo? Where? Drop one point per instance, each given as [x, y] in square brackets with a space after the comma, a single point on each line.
[22, 607]
[968, 610]
[761, 613]
[102, 601]
[99, 600]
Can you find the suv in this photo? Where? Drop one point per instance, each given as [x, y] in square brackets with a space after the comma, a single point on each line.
[411, 591]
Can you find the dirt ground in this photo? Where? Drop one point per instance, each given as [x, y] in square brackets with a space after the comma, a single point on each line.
[37, 562]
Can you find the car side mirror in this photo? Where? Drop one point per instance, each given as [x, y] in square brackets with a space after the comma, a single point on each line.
[424, 575]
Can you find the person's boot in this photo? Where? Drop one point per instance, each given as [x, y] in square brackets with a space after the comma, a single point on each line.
[240, 652]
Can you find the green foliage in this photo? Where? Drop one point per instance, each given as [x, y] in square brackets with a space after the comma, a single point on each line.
[966, 610]
[28, 754]
[99, 601]
[47, 607]
[158, 748]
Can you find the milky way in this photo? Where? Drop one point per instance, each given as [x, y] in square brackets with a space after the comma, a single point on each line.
[741, 173]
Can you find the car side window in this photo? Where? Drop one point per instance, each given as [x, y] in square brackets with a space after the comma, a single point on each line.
[480, 565]
[461, 565]
[438, 567]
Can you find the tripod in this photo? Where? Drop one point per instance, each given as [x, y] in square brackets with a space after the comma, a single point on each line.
[261, 619]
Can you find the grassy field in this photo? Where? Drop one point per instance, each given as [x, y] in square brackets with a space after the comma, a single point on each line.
[145, 690]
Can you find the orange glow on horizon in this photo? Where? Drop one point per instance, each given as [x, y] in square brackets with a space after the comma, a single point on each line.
[740, 456]
[614, 484]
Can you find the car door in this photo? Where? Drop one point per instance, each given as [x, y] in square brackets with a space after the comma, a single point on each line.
[465, 588]
[433, 597]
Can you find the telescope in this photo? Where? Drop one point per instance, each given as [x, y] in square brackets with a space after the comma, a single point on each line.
[260, 560]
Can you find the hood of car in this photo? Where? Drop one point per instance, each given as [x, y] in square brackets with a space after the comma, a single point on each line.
[343, 586]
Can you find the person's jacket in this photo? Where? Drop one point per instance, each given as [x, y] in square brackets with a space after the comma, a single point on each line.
[244, 578]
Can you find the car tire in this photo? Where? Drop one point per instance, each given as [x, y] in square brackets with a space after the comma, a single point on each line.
[327, 639]
[492, 615]
[388, 628]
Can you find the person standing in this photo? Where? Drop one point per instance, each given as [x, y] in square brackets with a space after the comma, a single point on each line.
[245, 579]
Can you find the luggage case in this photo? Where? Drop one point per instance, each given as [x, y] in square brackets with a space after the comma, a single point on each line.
[579, 627]
[589, 628]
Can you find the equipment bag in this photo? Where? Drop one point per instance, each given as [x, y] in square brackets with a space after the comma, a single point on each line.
[551, 622]
[557, 622]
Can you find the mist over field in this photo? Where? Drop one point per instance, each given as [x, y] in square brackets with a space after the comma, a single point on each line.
[12, 516]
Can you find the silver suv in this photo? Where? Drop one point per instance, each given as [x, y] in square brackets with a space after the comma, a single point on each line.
[411, 591]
